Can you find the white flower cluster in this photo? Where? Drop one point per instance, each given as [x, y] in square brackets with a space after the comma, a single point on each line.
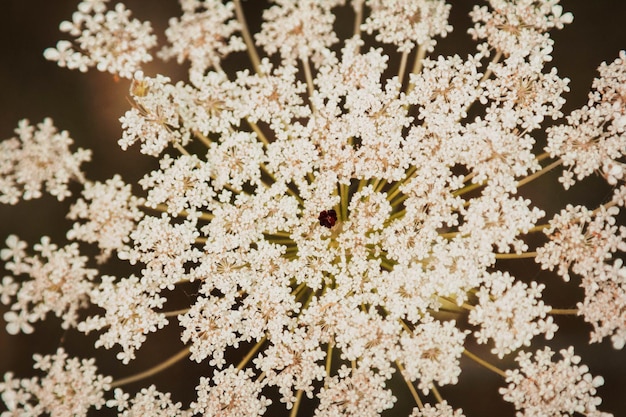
[593, 138]
[59, 283]
[298, 30]
[544, 388]
[232, 394]
[70, 387]
[337, 222]
[510, 313]
[110, 212]
[106, 39]
[203, 35]
[38, 157]
[407, 23]
[128, 318]
[585, 243]
[442, 409]
[518, 27]
[147, 402]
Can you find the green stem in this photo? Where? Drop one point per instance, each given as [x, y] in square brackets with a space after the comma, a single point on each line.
[152, 371]
[395, 188]
[539, 173]
[206, 141]
[494, 60]
[309, 77]
[564, 311]
[435, 391]
[296, 405]
[417, 66]
[252, 53]
[250, 354]
[180, 149]
[523, 255]
[329, 356]
[175, 313]
[259, 133]
[538, 228]
[358, 18]
[402, 69]
[163, 208]
[343, 194]
[409, 384]
[484, 363]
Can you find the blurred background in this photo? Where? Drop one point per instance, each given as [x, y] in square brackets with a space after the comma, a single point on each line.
[89, 106]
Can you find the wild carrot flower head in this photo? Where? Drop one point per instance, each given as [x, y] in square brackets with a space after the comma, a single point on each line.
[341, 218]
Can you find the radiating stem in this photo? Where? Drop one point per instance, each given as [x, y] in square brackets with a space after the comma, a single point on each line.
[152, 371]
[343, 194]
[564, 311]
[247, 38]
[175, 313]
[258, 132]
[523, 255]
[604, 206]
[296, 405]
[306, 66]
[538, 228]
[409, 384]
[402, 69]
[417, 65]
[163, 208]
[395, 188]
[466, 189]
[484, 363]
[206, 141]
[435, 391]
[180, 149]
[329, 357]
[250, 354]
[448, 235]
[358, 18]
[494, 60]
[539, 173]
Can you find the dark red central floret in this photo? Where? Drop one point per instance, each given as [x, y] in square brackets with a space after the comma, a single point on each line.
[328, 218]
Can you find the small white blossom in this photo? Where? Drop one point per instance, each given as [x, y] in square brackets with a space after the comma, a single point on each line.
[298, 30]
[153, 121]
[70, 387]
[292, 363]
[594, 138]
[110, 211]
[203, 35]
[163, 248]
[407, 23]
[604, 305]
[545, 388]
[233, 394]
[39, 157]
[518, 27]
[148, 402]
[442, 409]
[129, 315]
[106, 39]
[181, 184]
[354, 392]
[510, 314]
[319, 220]
[431, 353]
[581, 241]
[211, 326]
[58, 282]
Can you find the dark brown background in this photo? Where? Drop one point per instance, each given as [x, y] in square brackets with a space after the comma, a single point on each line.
[89, 105]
